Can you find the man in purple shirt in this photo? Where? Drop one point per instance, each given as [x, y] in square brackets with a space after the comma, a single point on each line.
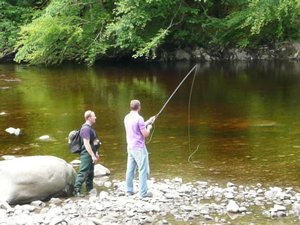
[136, 131]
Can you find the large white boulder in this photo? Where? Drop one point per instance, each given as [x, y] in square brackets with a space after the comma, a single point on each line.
[26, 179]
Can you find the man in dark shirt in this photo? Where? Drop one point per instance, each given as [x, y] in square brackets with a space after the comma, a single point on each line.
[89, 155]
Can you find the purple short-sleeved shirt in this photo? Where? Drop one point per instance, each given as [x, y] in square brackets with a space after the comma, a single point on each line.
[87, 132]
[134, 123]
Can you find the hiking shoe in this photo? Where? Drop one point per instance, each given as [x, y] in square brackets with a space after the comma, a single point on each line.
[129, 193]
[148, 195]
[78, 195]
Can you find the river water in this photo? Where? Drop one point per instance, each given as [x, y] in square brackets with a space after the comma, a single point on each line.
[245, 117]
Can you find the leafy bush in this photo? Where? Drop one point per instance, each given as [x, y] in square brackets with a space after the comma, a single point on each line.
[87, 30]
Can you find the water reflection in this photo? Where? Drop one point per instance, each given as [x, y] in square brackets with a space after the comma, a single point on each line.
[245, 116]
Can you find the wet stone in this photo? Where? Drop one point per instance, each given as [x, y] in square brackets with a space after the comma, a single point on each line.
[207, 217]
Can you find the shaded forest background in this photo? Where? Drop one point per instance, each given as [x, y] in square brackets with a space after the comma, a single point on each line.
[51, 32]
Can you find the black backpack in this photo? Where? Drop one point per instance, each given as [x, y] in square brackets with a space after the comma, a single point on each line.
[75, 141]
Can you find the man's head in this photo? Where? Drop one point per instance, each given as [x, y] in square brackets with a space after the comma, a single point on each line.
[90, 117]
[135, 105]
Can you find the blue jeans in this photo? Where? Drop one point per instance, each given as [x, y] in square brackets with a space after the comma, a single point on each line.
[137, 158]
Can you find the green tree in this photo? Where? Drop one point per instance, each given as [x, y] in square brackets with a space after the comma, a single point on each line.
[87, 30]
[66, 30]
[13, 14]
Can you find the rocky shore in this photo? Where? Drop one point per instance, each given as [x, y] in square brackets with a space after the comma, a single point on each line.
[281, 51]
[173, 202]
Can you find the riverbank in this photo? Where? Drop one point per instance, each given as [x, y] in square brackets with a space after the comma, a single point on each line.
[281, 51]
[173, 202]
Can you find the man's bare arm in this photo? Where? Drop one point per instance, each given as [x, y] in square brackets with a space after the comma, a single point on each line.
[88, 147]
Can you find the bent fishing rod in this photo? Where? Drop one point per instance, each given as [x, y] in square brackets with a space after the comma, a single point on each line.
[171, 96]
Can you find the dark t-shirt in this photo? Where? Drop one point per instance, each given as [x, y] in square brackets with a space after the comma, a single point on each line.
[87, 132]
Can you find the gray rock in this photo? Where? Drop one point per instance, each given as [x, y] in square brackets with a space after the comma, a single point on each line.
[15, 131]
[296, 208]
[8, 157]
[57, 220]
[202, 183]
[242, 209]
[149, 219]
[44, 138]
[207, 217]
[229, 195]
[204, 210]
[229, 184]
[24, 184]
[5, 205]
[103, 195]
[107, 184]
[29, 208]
[206, 57]
[241, 55]
[186, 208]
[277, 208]
[75, 162]
[197, 53]
[38, 203]
[169, 196]
[182, 55]
[55, 201]
[232, 207]
[281, 214]
[100, 170]
[178, 180]
[93, 192]
[95, 220]
[163, 222]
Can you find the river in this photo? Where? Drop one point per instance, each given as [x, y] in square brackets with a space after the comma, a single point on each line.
[244, 117]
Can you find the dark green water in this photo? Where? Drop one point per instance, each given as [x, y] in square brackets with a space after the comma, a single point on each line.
[246, 117]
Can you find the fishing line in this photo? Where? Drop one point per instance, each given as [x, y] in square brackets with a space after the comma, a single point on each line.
[189, 119]
[168, 100]
[164, 106]
[150, 139]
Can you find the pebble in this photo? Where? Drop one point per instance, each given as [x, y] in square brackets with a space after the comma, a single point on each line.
[296, 208]
[2, 113]
[242, 209]
[15, 131]
[55, 201]
[229, 184]
[75, 162]
[8, 157]
[184, 202]
[103, 195]
[232, 207]
[279, 208]
[57, 220]
[207, 217]
[100, 170]
[107, 184]
[44, 138]
[186, 208]
[5, 205]
[229, 195]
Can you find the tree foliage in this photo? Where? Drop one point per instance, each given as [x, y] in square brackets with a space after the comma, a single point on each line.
[13, 14]
[86, 30]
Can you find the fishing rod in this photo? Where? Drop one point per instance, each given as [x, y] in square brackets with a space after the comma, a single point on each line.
[164, 106]
[168, 100]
